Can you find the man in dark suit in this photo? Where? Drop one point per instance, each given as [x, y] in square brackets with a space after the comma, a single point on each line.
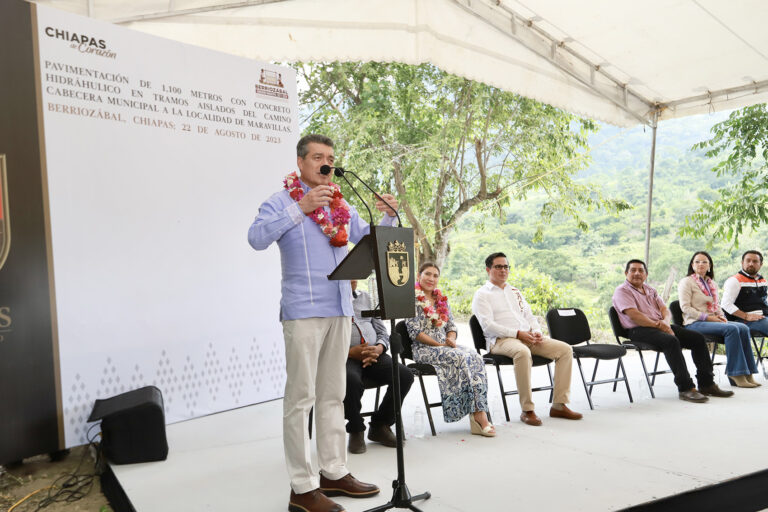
[368, 360]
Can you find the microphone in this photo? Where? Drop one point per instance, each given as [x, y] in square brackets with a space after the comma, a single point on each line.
[325, 170]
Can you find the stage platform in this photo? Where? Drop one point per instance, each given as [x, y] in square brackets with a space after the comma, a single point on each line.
[619, 455]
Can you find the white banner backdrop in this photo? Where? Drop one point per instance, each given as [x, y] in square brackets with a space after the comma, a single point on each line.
[158, 156]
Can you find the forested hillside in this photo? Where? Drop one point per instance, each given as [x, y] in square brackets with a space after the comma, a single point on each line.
[570, 267]
[479, 170]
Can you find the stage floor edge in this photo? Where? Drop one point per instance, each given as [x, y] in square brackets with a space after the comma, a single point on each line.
[620, 455]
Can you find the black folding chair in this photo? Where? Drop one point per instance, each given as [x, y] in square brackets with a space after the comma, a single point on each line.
[498, 361]
[677, 319]
[620, 332]
[754, 334]
[572, 327]
[419, 370]
[759, 357]
[367, 384]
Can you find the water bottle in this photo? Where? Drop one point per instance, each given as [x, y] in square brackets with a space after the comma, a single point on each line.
[418, 423]
[765, 371]
[645, 391]
[497, 409]
[716, 376]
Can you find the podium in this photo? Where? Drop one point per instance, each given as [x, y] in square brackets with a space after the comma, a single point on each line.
[388, 251]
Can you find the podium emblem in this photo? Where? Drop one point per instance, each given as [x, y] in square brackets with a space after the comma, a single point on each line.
[5, 226]
[398, 264]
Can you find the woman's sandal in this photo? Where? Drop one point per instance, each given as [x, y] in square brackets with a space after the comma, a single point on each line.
[476, 429]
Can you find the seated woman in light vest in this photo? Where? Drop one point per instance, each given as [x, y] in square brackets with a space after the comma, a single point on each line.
[701, 312]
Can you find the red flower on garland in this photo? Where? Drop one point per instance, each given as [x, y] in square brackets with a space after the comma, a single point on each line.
[333, 225]
[437, 312]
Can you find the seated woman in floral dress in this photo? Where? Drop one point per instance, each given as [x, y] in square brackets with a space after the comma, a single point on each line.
[460, 372]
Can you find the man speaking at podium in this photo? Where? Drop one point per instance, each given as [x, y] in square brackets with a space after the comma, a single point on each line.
[312, 223]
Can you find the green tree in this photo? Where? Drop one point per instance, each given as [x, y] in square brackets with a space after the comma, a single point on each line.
[448, 145]
[741, 144]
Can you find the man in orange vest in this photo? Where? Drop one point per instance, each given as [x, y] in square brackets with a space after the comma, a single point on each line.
[744, 294]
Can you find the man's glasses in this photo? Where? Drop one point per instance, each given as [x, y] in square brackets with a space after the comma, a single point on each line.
[501, 267]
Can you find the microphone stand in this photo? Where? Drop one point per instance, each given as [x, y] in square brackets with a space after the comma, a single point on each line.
[341, 174]
[339, 171]
[401, 496]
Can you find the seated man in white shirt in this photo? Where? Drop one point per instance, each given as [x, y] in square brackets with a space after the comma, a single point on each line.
[511, 330]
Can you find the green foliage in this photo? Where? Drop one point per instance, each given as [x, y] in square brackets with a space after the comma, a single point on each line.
[586, 267]
[741, 145]
[448, 146]
[418, 125]
[460, 293]
[539, 289]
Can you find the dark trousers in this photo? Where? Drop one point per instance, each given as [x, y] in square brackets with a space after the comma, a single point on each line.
[379, 373]
[672, 347]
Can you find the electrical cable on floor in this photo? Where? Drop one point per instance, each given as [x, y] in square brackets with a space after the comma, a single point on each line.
[25, 498]
[74, 486]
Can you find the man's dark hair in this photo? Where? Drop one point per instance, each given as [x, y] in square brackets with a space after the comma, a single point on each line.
[710, 272]
[301, 147]
[489, 259]
[626, 269]
[758, 253]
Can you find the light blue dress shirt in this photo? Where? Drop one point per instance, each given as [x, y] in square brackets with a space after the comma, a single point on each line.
[306, 257]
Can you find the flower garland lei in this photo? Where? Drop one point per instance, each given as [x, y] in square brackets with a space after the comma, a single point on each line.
[712, 306]
[437, 313]
[334, 226]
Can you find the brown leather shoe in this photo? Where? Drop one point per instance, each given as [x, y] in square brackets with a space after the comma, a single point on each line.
[312, 501]
[357, 442]
[530, 418]
[564, 413]
[347, 486]
[692, 395]
[380, 433]
[714, 390]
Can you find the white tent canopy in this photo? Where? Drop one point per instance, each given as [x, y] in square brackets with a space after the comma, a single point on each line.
[618, 61]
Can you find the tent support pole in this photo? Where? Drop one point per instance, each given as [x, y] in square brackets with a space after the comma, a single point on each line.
[650, 190]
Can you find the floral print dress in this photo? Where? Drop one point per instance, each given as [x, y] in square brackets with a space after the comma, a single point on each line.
[460, 371]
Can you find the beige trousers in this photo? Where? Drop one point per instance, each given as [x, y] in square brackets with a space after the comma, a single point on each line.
[520, 353]
[315, 363]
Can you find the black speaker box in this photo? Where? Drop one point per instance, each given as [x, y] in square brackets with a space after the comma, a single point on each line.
[132, 426]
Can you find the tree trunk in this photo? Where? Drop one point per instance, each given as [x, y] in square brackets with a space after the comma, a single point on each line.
[436, 254]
